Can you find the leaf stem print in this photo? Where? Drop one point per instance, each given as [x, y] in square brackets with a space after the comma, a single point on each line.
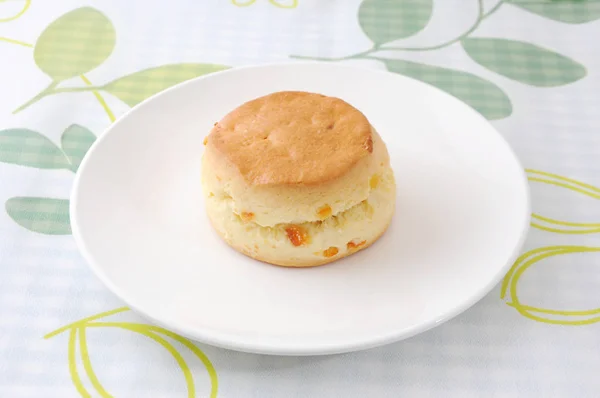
[484, 96]
[136, 87]
[99, 98]
[363, 54]
[37, 97]
[480, 17]
[84, 53]
[51, 89]
[155, 333]
[386, 21]
[545, 315]
[13, 41]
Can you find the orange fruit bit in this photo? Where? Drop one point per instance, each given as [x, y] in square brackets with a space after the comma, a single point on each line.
[374, 181]
[247, 216]
[352, 245]
[205, 140]
[332, 251]
[324, 212]
[297, 235]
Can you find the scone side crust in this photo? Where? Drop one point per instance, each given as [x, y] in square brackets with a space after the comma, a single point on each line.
[346, 233]
[293, 138]
[302, 263]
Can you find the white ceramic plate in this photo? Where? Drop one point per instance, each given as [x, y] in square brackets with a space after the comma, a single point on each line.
[462, 215]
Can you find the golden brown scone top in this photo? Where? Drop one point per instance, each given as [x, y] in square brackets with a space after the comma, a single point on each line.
[290, 138]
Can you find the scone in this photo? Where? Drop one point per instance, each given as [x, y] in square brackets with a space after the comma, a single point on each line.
[297, 179]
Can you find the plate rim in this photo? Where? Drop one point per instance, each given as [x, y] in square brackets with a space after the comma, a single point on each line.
[251, 345]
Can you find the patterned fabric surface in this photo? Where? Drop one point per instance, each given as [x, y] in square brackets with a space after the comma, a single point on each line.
[70, 68]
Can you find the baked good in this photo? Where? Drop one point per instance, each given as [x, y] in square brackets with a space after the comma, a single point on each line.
[297, 179]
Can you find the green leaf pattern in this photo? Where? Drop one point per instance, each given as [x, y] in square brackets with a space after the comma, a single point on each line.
[573, 12]
[482, 95]
[28, 148]
[75, 43]
[524, 62]
[75, 141]
[44, 215]
[136, 87]
[384, 21]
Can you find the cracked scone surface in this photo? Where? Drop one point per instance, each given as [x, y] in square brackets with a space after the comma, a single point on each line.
[297, 179]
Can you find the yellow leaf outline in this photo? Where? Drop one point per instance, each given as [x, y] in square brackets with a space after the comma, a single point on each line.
[294, 4]
[511, 280]
[87, 364]
[276, 3]
[560, 226]
[19, 14]
[239, 3]
[73, 365]
[150, 331]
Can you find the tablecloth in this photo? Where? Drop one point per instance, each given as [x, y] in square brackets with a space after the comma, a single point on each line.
[69, 68]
